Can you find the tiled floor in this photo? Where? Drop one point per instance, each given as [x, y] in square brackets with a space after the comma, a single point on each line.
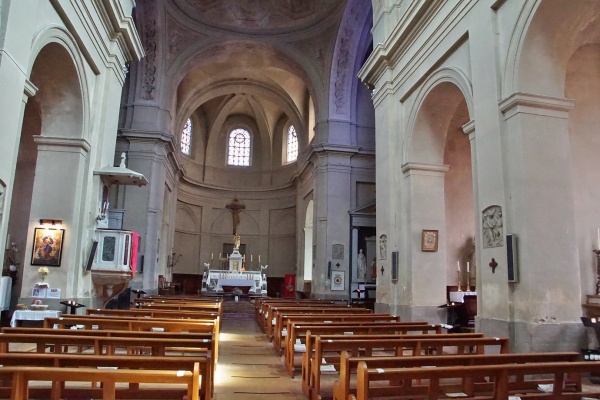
[248, 367]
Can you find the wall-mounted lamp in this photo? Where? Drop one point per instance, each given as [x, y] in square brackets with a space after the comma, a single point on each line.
[50, 221]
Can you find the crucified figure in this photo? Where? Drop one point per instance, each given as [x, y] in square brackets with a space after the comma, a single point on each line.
[235, 208]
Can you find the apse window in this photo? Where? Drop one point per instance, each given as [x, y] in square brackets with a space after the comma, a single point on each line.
[186, 137]
[292, 144]
[238, 153]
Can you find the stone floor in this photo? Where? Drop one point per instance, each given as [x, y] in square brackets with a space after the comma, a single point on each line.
[248, 367]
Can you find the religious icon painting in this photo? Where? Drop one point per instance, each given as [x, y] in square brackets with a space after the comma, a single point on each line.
[47, 247]
[337, 280]
[429, 240]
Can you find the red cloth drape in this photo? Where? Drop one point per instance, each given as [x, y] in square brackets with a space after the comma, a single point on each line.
[135, 240]
[289, 286]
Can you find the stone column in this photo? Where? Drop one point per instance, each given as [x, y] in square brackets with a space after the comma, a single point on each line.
[147, 153]
[546, 300]
[61, 166]
[332, 203]
[422, 275]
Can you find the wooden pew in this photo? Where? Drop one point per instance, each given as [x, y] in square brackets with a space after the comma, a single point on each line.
[138, 324]
[260, 305]
[101, 345]
[136, 363]
[439, 345]
[270, 319]
[21, 377]
[348, 366]
[433, 379]
[297, 333]
[153, 313]
[311, 380]
[282, 321]
[216, 307]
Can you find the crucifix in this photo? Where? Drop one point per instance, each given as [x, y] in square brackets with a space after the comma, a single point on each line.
[493, 264]
[235, 208]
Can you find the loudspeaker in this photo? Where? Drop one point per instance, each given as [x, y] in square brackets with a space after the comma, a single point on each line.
[90, 261]
[394, 266]
[511, 258]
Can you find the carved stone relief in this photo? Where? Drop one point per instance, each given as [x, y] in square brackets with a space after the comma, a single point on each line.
[179, 38]
[343, 65]
[149, 41]
[492, 227]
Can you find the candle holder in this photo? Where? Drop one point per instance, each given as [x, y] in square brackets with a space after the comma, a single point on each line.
[597, 252]
[458, 274]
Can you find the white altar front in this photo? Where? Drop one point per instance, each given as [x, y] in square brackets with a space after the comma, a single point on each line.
[218, 281]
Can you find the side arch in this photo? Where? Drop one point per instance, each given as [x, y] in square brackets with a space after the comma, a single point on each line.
[445, 79]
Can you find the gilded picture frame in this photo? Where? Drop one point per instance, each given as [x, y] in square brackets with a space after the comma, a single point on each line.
[47, 247]
[429, 240]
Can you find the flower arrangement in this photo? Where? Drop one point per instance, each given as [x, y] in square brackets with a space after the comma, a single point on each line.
[43, 271]
[12, 261]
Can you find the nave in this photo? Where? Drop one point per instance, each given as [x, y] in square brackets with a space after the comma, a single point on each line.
[248, 368]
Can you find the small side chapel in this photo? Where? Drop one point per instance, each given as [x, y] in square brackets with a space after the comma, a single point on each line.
[400, 153]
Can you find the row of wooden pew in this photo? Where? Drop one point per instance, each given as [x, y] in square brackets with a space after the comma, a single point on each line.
[348, 354]
[160, 349]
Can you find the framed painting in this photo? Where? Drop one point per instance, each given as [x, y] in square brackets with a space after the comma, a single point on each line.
[429, 240]
[337, 280]
[47, 247]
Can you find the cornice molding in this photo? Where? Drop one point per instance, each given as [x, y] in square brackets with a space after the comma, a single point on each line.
[535, 104]
[415, 168]
[62, 142]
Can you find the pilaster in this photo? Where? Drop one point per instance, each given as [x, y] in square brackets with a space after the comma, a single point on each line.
[545, 302]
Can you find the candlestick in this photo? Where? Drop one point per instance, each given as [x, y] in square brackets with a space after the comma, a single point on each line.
[458, 274]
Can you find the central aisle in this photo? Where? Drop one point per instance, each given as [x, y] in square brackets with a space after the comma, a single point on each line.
[248, 367]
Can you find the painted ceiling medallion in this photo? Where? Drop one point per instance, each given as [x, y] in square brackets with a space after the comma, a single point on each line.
[258, 15]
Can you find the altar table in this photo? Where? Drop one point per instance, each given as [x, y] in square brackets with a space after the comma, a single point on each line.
[30, 315]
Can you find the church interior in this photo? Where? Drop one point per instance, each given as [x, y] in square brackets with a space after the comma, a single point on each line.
[410, 156]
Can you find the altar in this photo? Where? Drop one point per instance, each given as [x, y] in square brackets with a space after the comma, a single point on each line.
[236, 279]
[219, 281]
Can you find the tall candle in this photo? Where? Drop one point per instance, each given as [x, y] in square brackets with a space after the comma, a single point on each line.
[598, 239]
[467, 267]
[250, 257]
[458, 265]
[211, 256]
[259, 258]
[219, 256]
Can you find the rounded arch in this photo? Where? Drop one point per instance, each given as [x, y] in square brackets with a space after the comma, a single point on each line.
[449, 86]
[546, 34]
[352, 36]
[56, 62]
[186, 220]
[276, 56]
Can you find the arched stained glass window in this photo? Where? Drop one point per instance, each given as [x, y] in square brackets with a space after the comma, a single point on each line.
[238, 153]
[292, 144]
[186, 137]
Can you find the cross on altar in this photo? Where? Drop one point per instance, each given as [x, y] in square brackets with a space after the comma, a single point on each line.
[382, 270]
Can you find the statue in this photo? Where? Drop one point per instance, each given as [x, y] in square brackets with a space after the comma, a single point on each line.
[236, 241]
[362, 265]
[235, 207]
[374, 269]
